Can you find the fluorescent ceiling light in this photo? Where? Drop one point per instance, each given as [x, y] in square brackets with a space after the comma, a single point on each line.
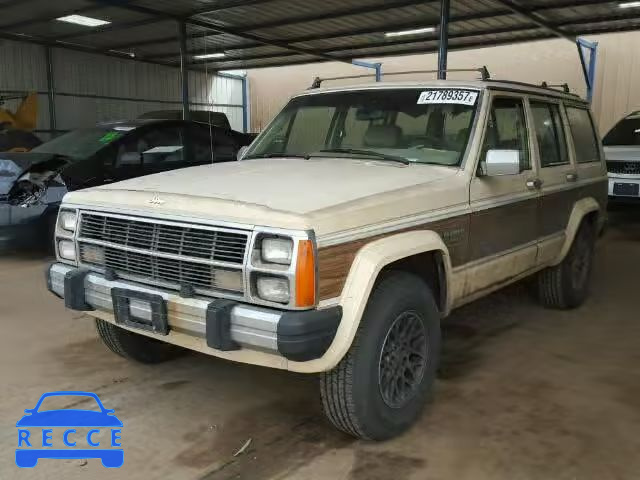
[120, 52]
[209, 55]
[415, 31]
[629, 4]
[84, 21]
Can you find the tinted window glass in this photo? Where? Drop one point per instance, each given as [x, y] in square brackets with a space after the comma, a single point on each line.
[200, 144]
[156, 145]
[585, 140]
[82, 143]
[507, 129]
[224, 146]
[552, 144]
[164, 145]
[626, 132]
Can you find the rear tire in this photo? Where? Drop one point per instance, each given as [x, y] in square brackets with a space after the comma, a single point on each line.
[380, 387]
[133, 346]
[566, 285]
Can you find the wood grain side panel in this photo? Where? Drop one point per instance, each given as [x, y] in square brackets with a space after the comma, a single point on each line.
[497, 229]
[556, 207]
[335, 262]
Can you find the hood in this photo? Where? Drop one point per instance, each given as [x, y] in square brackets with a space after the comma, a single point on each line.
[13, 165]
[622, 154]
[286, 192]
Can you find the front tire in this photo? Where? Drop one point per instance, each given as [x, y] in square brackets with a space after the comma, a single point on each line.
[380, 387]
[566, 285]
[133, 346]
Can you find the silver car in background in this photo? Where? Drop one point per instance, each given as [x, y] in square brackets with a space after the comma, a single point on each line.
[622, 151]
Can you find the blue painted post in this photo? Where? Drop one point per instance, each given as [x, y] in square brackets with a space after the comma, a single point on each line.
[245, 104]
[375, 66]
[588, 69]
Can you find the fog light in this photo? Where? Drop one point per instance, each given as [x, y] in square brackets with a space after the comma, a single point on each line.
[67, 250]
[67, 220]
[92, 254]
[273, 289]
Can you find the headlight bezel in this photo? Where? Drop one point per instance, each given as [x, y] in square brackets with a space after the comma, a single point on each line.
[256, 266]
[64, 234]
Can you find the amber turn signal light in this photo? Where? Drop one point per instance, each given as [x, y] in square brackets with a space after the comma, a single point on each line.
[305, 275]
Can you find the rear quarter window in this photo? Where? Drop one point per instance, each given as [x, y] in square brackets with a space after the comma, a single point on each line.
[585, 139]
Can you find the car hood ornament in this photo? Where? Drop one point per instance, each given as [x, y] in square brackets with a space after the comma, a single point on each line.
[156, 200]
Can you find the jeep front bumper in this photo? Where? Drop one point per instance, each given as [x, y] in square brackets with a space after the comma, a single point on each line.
[225, 325]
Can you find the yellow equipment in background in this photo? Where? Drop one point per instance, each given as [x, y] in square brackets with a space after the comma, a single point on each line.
[15, 128]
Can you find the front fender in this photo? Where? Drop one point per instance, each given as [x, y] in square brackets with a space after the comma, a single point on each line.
[366, 267]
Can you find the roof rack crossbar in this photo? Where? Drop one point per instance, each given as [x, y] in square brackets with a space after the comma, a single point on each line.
[483, 71]
[552, 86]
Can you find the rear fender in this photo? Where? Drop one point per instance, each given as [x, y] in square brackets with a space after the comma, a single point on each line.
[581, 209]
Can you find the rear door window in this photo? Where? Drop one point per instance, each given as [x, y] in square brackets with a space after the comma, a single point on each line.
[585, 139]
[552, 144]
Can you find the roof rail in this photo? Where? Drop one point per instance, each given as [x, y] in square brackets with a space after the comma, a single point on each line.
[483, 71]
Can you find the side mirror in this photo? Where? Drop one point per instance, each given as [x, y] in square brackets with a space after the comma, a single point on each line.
[502, 162]
[241, 152]
[28, 410]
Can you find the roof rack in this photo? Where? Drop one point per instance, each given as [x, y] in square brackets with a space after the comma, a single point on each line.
[483, 71]
[563, 86]
[560, 88]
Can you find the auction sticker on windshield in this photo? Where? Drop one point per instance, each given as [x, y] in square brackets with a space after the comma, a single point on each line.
[448, 95]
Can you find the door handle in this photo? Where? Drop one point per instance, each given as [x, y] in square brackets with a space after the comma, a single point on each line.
[572, 177]
[534, 184]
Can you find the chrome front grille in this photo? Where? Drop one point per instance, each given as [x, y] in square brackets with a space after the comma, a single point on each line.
[627, 168]
[209, 259]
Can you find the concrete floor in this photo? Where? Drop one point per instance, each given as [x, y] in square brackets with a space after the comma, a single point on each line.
[524, 393]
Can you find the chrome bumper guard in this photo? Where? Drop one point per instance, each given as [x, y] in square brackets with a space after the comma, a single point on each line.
[227, 325]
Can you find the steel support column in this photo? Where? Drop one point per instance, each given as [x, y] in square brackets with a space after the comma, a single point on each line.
[245, 104]
[588, 65]
[51, 89]
[443, 43]
[184, 73]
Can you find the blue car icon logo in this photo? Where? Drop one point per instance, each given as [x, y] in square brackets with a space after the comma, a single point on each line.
[69, 425]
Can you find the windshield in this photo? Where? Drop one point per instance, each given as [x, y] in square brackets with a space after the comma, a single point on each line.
[80, 144]
[422, 125]
[64, 402]
[625, 133]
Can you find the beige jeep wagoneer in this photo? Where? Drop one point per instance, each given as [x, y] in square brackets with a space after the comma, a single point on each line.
[351, 228]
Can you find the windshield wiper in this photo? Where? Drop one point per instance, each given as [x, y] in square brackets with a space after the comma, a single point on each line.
[371, 153]
[279, 155]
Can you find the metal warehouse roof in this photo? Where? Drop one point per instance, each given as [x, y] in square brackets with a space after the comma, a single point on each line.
[263, 33]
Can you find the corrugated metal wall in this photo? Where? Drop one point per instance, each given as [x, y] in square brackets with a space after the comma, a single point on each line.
[554, 61]
[94, 88]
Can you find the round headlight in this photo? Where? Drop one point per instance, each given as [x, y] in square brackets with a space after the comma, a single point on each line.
[277, 250]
